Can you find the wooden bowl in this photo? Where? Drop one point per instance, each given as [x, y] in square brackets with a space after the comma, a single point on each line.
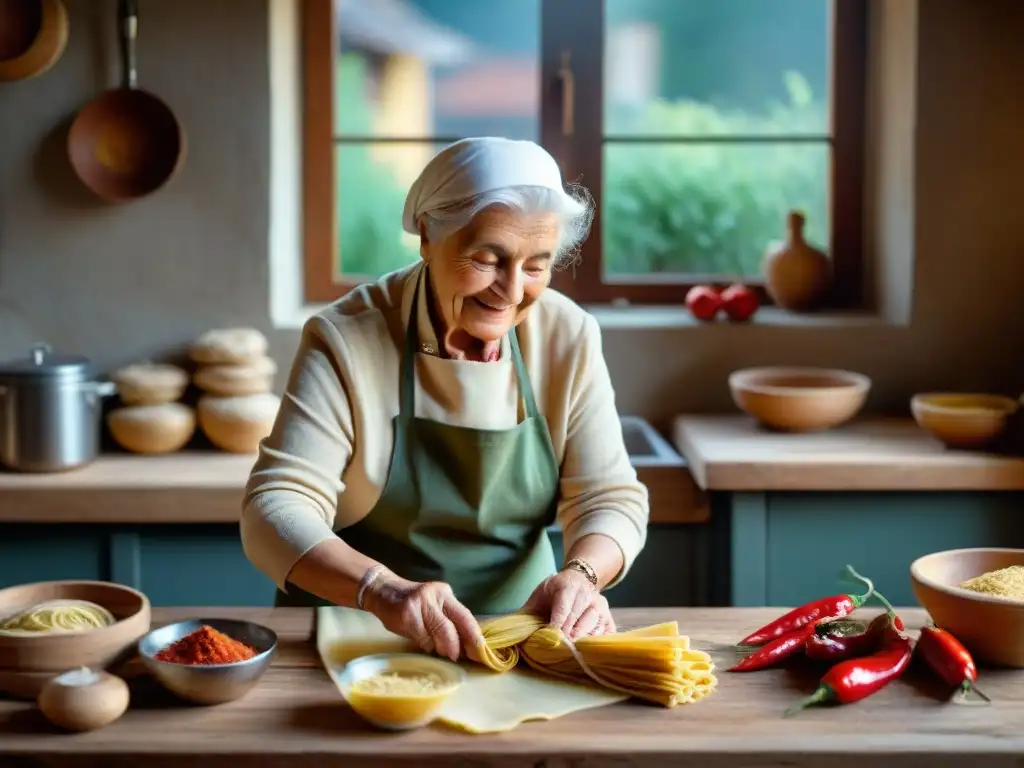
[56, 653]
[799, 399]
[992, 628]
[963, 420]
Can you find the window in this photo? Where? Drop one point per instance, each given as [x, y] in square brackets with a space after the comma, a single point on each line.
[696, 126]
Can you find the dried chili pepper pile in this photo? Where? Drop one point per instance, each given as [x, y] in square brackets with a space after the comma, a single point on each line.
[205, 646]
[863, 658]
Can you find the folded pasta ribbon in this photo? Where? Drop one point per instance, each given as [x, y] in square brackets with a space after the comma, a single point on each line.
[654, 663]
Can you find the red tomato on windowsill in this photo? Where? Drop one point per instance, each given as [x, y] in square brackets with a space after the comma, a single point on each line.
[740, 302]
[704, 302]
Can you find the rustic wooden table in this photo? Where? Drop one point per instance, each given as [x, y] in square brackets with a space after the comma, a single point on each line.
[296, 717]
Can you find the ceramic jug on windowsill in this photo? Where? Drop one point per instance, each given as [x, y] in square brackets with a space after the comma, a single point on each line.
[796, 274]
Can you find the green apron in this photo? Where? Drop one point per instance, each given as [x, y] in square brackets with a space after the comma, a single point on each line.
[469, 507]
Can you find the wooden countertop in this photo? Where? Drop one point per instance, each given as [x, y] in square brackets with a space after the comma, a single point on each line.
[206, 487]
[296, 714]
[732, 453]
[187, 487]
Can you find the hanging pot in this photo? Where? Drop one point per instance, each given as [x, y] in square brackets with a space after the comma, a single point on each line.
[127, 143]
[33, 35]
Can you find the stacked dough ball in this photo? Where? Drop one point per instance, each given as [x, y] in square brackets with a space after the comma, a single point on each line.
[237, 408]
[151, 419]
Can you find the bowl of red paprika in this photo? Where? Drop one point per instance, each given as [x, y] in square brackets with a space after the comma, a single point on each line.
[208, 661]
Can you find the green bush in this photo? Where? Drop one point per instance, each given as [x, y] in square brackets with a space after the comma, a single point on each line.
[693, 208]
[711, 208]
[369, 197]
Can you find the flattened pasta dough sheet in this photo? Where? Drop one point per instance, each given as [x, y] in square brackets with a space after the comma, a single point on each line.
[489, 702]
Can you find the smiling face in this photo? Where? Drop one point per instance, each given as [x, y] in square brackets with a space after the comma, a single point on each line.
[486, 276]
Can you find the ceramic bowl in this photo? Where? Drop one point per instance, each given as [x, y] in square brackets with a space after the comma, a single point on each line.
[399, 713]
[57, 652]
[799, 399]
[209, 683]
[991, 628]
[963, 420]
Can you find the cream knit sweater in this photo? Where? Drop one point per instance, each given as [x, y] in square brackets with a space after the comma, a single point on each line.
[324, 465]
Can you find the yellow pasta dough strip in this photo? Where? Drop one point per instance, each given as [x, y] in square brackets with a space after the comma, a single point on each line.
[488, 702]
[653, 663]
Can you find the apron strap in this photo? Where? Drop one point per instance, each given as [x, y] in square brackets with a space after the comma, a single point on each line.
[522, 377]
[407, 392]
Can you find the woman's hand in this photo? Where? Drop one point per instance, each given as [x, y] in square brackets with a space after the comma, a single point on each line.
[425, 612]
[574, 605]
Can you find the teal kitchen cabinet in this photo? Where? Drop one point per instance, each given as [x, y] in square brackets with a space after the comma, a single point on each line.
[790, 548]
[672, 570]
[49, 552]
[194, 565]
[203, 565]
[173, 564]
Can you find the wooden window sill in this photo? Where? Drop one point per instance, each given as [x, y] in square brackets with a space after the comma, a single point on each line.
[641, 317]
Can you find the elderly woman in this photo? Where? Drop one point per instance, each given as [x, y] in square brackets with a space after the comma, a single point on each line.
[437, 421]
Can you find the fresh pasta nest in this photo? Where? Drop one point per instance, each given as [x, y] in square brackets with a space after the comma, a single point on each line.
[653, 663]
[54, 616]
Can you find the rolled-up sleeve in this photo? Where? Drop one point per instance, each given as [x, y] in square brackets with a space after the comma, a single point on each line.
[600, 492]
[291, 497]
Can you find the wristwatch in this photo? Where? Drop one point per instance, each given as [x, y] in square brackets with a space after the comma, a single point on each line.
[582, 566]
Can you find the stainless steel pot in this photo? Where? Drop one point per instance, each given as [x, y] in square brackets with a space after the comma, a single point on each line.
[50, 411]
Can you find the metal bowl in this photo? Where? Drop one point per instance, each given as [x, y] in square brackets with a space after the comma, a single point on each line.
[209, 683]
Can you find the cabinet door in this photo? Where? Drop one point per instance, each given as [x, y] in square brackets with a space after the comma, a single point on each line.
[672, 570]
[199, 565]
[51, 552]
[812, 536]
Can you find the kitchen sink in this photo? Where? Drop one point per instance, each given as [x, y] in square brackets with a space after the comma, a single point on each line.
[663, 471]
[645, 446]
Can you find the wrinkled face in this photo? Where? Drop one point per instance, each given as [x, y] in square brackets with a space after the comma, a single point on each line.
[487, 275]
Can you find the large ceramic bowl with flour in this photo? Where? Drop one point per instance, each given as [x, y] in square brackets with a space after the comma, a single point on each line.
[989, 625]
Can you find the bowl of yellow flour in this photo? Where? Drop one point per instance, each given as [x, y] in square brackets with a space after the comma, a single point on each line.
[978, 595]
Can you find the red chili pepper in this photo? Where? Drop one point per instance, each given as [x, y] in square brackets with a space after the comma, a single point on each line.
[833, 607]
[897, 622]
[775, 651]
[947, 658]
[827, 644]
[856, 679]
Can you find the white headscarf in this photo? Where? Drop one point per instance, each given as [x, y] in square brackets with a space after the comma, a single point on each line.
[473, 166]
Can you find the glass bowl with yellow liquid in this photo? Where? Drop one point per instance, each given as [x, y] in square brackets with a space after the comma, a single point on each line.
[399, 691]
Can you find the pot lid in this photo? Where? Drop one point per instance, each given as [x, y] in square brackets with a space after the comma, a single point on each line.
[42, 361]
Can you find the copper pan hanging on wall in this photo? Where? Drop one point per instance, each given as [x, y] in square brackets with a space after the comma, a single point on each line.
[33, 35]
[127, 143]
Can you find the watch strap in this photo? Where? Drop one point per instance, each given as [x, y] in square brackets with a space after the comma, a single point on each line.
[582, 566]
